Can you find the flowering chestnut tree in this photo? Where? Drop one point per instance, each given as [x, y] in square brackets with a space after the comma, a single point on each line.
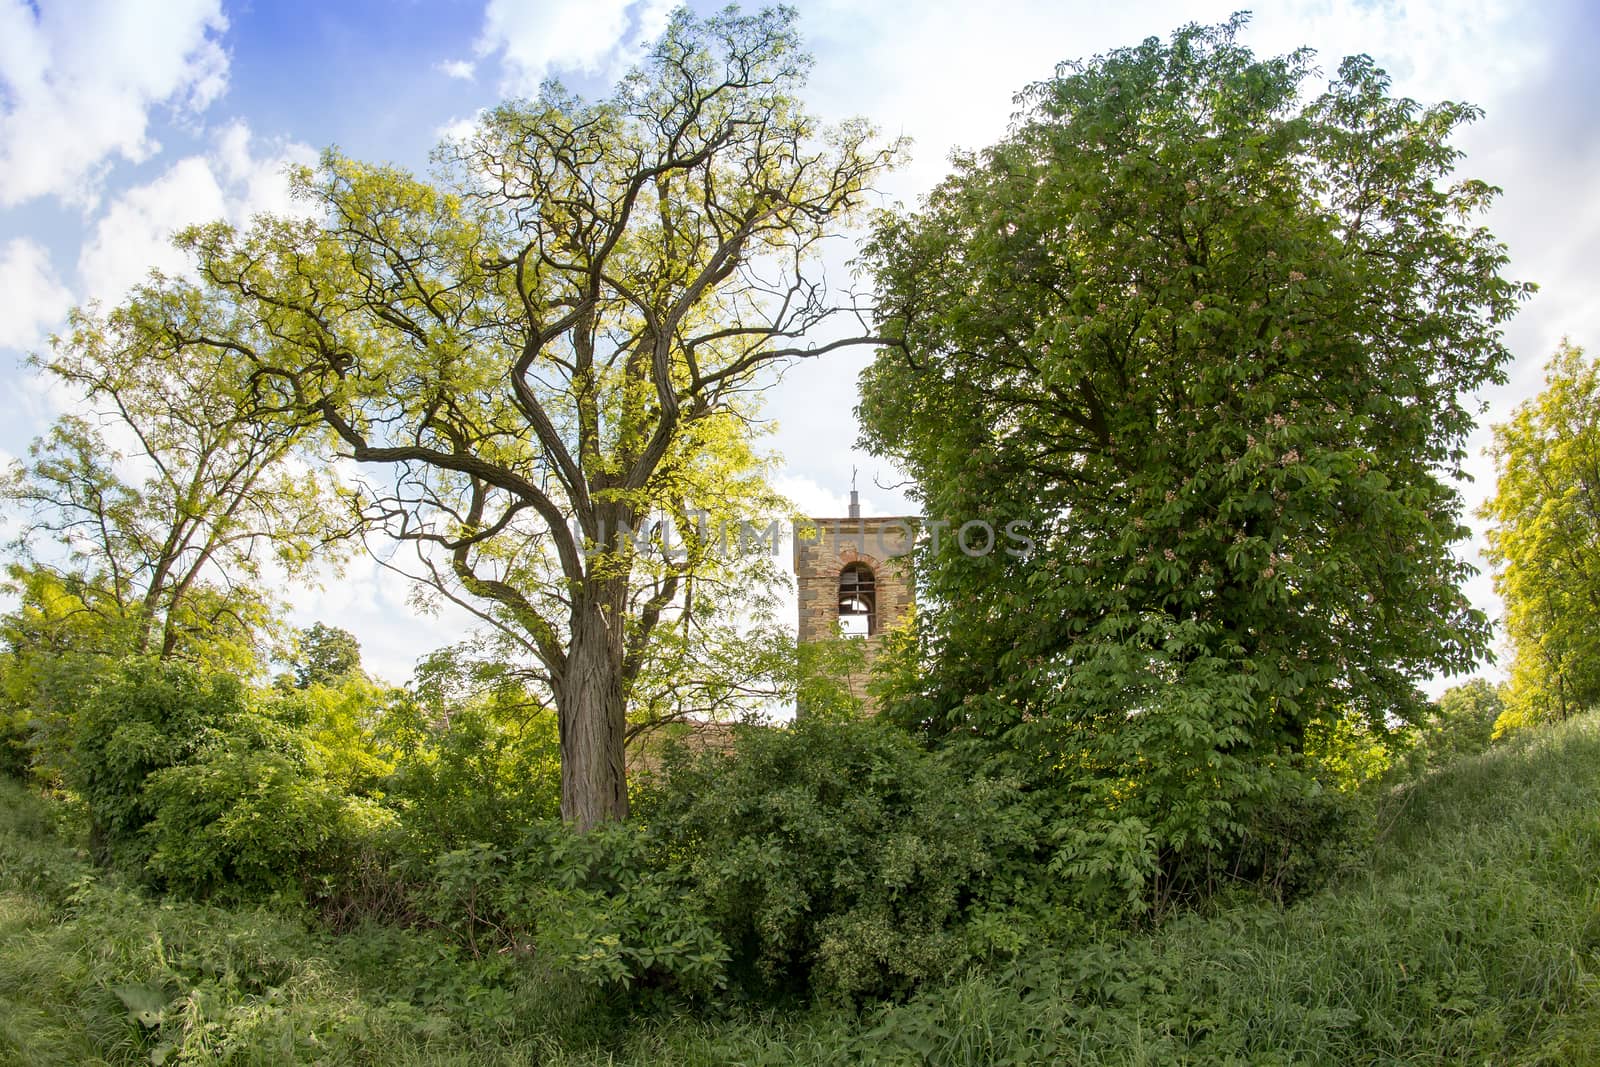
[1212, 335]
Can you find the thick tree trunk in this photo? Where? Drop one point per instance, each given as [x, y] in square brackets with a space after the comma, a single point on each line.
[592, 716]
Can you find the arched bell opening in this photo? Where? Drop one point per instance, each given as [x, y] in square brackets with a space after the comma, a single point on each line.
[858, 601]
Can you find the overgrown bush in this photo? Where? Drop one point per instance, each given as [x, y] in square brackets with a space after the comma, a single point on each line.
[826, 859]
[840, 859]
[143, 717]
[468, 767]
[246, 818]
[210, 789]
[611, 919]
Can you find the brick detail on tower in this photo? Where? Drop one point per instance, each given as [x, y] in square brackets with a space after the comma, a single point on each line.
[824, 549]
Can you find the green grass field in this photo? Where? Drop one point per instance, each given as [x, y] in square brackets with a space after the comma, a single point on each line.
[1471, 935]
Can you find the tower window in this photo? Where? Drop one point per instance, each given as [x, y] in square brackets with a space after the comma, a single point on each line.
[858, 601]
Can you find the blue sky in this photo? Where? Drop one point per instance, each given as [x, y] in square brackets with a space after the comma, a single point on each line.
[121, 120]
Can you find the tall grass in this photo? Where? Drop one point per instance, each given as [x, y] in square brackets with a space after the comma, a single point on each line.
[1472, 935]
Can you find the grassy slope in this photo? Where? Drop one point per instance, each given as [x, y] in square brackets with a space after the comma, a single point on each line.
[1474, 937]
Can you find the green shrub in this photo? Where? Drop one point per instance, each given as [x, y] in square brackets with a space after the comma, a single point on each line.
[243, 820]
[479, 770]
[211, 790]
[831, 859]
[839, 858]
[610, 912]
[595, 908]
[143, 717]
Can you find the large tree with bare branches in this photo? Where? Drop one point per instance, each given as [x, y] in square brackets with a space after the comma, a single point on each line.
[557, 342]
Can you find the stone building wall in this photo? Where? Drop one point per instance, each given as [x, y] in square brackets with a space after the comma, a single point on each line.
[821, 554]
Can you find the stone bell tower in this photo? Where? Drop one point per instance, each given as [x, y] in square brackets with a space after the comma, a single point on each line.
[854, 578]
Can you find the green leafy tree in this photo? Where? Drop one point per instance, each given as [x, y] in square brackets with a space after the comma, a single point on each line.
[1463, 721]
[147, 524]
[1210, 337]
[55, 647]
[1544, 541]
[341, 726]
[325, 655]
[556, 345]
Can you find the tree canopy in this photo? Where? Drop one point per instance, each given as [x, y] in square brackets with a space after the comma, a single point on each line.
[153, 522]
[324, 655]
[150, 520]
[554, 345]
[1212, 337]
[1544, 540]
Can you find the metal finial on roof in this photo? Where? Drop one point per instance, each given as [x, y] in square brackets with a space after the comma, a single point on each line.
[855, 499]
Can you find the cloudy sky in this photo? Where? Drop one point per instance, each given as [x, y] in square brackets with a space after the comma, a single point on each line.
[122, 120]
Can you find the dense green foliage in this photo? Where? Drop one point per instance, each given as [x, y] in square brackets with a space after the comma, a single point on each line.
[1158, 788]
[139, 720]
[147, 529]
[481, 775]
[833, 859]
[203, 786]
[839, 859]
[1467, 935]
[830, 860]
[1544, 540]
[207, 787]
[545, 356]
[1209, 339]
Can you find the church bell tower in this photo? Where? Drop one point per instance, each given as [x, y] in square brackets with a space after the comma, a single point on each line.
[854, 579]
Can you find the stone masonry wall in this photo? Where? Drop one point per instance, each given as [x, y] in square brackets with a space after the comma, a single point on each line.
[819, 557]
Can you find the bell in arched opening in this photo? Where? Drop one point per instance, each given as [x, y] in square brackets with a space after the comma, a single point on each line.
[858, 601]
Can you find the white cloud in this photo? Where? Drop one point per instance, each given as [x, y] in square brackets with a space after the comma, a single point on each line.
[809, 497]
[457, 68]
[230, 182]
[945, 71]
[459, 129]
[535, 38]
[35, 300]
[258, 183]
[78, 82]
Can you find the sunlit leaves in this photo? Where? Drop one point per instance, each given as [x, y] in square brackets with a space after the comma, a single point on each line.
[1545, 541]
[555, 342]
[169, 508]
